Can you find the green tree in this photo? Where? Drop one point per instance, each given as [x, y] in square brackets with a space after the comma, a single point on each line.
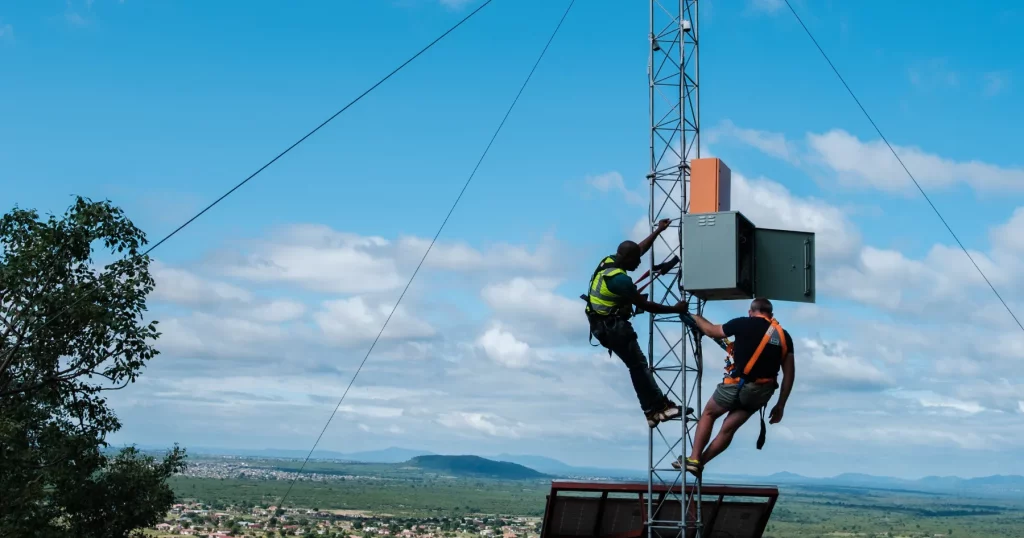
[70, 330]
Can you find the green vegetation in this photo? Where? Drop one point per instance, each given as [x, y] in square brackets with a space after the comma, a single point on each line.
[71, 329]
[340, 468]
[412, 492]
[831, 511]
[425, 497]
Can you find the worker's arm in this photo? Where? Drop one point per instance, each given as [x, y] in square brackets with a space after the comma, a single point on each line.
[645, 245]
[708, 328]
[657, 308]
[788, 375]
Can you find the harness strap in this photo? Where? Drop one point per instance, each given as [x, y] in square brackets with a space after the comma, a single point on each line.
[764, 342]
[764, 429]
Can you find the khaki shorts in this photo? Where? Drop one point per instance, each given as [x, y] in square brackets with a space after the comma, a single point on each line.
[751, 397]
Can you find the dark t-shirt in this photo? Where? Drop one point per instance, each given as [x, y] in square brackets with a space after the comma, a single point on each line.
[748, 332]
[621, 285]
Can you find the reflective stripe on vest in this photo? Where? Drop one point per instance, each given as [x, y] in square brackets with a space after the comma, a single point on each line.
[602, 300]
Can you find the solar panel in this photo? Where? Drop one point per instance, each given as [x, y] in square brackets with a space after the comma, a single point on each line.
[573, 510]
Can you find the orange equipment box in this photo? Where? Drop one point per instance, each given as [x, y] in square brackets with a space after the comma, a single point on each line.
[710, 185]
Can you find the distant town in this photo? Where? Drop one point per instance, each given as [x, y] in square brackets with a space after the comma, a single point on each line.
[232, 468]
[210, 521]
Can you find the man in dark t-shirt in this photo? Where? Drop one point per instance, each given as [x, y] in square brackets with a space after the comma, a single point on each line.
[760, 350]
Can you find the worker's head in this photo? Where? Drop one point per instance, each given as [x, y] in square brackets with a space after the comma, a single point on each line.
[628, 255]
[760, 307]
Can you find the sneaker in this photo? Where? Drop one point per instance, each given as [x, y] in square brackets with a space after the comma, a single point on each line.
[670, 411]
[652, 418]
[692, 466]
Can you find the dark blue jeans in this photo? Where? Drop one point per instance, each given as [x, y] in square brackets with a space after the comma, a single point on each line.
[617, 335]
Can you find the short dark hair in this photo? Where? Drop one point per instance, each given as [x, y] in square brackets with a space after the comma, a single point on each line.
[762, 305]
[628, 249]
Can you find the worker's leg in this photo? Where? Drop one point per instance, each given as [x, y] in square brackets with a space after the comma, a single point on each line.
[712, 411]
[748, 400]
[732, 422]
[724, 399]
[619, 337]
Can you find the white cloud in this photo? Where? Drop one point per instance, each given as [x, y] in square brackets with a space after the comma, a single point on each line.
[935, 285]
[929, 399]
[204, 335]
[489, 424]
[1009, 236]
[774, 144]
[502, 347]
[275, 311]
[909, 436]
[830, 366]
[871, 164]
[612, 182]
[354, 320]
[184, 287]
[533, 303]
[996, 393]
[372, 411]
[858, 163]
[463, 258]
[6, 32]
[320, 259]
[789, 434]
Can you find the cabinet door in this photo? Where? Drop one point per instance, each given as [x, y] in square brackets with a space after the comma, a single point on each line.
[784, 265]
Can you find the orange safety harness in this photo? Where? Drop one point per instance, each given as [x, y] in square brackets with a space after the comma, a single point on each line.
[732, 378]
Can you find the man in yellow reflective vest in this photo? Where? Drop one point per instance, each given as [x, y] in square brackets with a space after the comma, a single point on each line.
[609, 308]
[761, 348]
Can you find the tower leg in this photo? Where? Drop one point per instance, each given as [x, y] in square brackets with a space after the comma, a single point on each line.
[674, 354]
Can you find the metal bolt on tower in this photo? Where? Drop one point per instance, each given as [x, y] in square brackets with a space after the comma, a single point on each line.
[674, 140]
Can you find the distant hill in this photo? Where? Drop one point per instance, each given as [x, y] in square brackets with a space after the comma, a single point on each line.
[475, 466]
[510, 466]
[557, 468]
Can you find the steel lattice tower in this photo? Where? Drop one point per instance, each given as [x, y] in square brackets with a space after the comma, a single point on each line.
[674, 140]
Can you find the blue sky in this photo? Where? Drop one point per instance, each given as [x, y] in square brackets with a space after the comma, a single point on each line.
[270, 300]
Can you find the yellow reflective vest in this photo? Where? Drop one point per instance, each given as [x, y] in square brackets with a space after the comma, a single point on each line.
[601, 300]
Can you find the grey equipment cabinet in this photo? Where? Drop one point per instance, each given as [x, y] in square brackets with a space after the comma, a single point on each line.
[718, 251]
[725, 257]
